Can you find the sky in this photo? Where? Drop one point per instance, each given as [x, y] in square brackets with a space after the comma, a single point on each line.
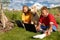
[17, 4]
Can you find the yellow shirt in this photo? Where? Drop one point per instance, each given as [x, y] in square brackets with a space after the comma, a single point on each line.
[26, 18]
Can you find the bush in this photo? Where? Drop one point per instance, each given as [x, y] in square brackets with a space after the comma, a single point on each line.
[13, 15]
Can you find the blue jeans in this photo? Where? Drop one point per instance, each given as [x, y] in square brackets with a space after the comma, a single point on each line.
[47, 27]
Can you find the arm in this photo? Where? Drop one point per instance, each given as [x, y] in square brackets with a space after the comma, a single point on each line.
[50, 29]
[51, 18]
[38, 26]
[24, 18]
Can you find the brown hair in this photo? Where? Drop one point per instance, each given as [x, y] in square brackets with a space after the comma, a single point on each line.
[44, 8]
[27, 8]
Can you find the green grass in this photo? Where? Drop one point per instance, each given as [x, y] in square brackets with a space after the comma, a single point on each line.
[19, 33]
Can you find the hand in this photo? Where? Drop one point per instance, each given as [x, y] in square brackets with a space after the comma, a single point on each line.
[49, 33]
[46, 32]
[37, 28]
[32, 22]
[25, 22]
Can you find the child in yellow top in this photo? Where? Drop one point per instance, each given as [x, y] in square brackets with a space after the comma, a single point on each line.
[26, 16]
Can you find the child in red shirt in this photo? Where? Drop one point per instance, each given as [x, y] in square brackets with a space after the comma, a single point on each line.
[47, 22]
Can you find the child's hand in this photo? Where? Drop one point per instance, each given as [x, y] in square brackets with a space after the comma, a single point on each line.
[32, 22]
[49, 33]
[37, 28]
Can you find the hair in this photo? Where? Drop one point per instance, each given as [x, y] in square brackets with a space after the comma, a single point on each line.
[44, 8]
[27, 8]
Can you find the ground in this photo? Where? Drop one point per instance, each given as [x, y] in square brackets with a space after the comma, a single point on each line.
[21, 34]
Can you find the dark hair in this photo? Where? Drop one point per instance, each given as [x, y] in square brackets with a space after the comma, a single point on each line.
[27, 8]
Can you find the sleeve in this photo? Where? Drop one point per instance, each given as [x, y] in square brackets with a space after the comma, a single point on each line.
[51, 19]
[23, 18]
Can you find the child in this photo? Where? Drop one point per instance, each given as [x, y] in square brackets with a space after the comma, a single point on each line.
[47, 23]
[27, 19]
[26, 16]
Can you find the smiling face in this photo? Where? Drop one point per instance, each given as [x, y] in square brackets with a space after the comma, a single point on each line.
[44, 11]
[25, 9]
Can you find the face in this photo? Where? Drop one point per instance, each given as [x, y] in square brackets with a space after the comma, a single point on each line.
[25, 9]
[44, 13]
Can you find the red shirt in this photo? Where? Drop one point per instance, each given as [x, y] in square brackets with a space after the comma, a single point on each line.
[48, 19]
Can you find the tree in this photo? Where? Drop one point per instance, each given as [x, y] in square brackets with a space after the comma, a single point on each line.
[3, 17]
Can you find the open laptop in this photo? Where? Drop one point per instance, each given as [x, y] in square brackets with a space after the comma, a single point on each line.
[28, 27]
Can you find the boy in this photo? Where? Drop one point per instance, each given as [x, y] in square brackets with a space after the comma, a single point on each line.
[47, 23]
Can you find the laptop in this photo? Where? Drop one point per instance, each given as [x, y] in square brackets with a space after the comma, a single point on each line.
[28, 27]
[19, 23]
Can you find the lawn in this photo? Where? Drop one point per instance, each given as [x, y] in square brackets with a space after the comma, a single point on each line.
[21, 34]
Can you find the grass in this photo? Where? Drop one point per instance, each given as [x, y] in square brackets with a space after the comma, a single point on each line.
[19, 33]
